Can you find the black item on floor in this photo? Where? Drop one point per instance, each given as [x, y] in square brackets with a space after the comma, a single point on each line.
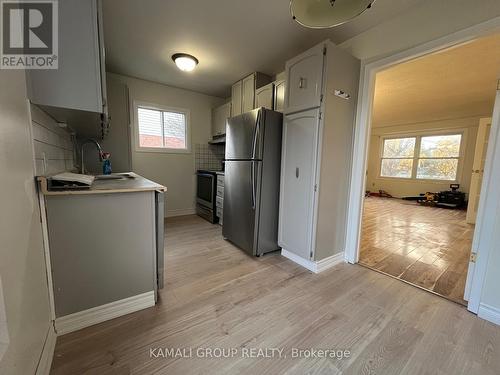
[447, 199]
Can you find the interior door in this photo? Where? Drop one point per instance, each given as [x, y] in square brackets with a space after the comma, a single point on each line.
[298, 179]
[304, 80]
[485, 230]
[236, 98]
[240, 202]
[483, 134]
[248, 101]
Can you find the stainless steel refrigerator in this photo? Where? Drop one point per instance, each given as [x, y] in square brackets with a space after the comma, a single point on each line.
[252, 180]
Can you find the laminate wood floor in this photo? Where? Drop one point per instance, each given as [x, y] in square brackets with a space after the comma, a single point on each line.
[217, 296]
[425, 246]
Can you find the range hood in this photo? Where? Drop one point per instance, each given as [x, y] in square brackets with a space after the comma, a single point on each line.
[218, 139]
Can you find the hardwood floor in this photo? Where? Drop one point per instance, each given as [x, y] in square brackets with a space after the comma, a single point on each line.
[217, 296]
[425, 246]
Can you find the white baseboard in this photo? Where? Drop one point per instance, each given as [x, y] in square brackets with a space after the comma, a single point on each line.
[330, 261]
[309, 264]
[45, 362]
[314, 266]
[180, 212]
[86, 318]
[489, 313]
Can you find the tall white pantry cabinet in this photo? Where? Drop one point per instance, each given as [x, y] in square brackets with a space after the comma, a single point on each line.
[318, 130]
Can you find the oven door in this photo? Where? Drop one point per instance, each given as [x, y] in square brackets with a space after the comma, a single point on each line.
[205, 189]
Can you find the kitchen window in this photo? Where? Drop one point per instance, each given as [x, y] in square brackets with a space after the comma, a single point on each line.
[161, 129]
[423, 157]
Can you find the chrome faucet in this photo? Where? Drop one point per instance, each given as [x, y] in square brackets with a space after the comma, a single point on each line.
[90, 140]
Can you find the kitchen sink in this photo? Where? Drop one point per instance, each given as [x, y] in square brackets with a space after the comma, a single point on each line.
[114, 176]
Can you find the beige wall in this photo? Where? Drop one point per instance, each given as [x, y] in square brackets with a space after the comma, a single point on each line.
[22, 264]
[117, 141]
[400, 187]
[175, 171]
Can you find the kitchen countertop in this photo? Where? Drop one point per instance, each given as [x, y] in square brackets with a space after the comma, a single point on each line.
[127, 185]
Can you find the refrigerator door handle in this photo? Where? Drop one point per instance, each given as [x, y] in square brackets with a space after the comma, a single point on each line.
[252, 173]
[256, 135]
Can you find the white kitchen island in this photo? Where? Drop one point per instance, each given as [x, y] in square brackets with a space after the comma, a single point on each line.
[104, 249]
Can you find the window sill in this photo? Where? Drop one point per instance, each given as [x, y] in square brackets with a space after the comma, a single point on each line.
[163, 150]
[417, 180]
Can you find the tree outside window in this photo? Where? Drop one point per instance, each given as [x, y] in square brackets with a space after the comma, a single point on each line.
[434, 157]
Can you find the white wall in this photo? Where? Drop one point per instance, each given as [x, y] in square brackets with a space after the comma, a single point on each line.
[22, 264]
[400, 187]
[175, 171]
[429, 20]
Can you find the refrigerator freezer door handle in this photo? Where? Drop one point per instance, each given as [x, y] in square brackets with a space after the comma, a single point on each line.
[256, 135]
[253, 185]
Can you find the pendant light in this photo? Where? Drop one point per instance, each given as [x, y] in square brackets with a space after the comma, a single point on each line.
[321, 14]
[185, 62]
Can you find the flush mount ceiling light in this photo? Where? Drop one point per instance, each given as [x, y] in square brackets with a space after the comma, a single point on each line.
[321, 14]
[185, 62]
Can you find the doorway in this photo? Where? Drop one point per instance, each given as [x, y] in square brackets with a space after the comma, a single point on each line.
[394, 228]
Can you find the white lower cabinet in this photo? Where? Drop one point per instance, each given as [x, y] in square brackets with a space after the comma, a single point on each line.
[298, 181]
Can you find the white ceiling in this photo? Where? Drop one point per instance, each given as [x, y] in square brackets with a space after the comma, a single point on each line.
[457, 82]
[231, 38]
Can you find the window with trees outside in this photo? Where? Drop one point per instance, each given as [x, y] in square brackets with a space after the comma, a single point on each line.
[425, 157]
[162, 130]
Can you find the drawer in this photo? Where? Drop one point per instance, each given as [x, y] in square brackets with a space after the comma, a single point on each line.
[220, 180]
[219, 202]
[220, 191]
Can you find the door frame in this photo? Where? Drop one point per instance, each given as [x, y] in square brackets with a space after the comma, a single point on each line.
[369, 69]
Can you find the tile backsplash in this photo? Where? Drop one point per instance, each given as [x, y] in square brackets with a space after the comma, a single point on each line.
[209, 156]
[53, 145]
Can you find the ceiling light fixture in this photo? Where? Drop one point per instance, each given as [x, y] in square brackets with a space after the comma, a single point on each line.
[184, 61]
[322, 14]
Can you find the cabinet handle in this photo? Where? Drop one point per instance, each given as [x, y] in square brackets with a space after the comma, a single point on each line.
[297, 172]
[302, 82]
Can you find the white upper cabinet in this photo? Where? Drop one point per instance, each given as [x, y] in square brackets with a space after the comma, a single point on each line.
[264, 96]
[219, 117]
[279, 96]
[304, 80]
[236, 98]
[243, 92]
[248, 102]
[79, 82]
